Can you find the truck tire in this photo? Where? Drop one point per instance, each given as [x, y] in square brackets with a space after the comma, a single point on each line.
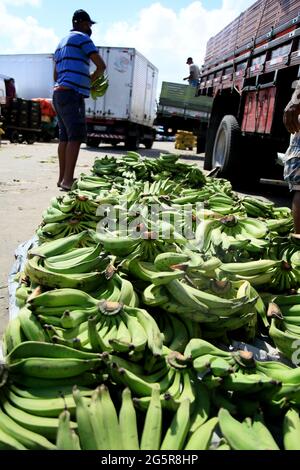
[93, 142]
[226, 150]
[14, 137]
[131, 143]
[148, 143]
[30, 138]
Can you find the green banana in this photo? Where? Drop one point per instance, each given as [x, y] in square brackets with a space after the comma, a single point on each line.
[31, 349]
[291, 430]
[177, 432]
[55, 368]
[238, 436]
[151, 435]
[110, 420]
[27, 438]
[85, 429]
[201, 437]
[64, 438]
[128, 422]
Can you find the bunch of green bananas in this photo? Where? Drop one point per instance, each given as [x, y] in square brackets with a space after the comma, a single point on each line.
[99, 86]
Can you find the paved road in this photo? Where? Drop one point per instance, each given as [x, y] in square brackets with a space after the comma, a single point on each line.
[28, 175]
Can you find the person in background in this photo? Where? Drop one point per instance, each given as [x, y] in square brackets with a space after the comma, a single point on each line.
[292, 156]
[10, 90]
[72, 85]
[194, 75]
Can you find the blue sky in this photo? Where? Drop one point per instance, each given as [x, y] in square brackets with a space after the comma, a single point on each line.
[166, 31]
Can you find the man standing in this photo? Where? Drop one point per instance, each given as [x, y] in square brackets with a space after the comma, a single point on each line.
[72, 84]
[194, 75]
[292, 156]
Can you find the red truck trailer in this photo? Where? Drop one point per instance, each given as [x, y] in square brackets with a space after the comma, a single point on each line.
[250, 69]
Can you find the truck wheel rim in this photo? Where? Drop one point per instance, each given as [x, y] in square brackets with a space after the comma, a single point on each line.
[219, 150]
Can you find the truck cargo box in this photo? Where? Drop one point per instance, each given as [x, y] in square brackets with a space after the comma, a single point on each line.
[132, 87]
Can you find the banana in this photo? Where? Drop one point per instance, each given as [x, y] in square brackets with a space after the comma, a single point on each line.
[97, 421]
[177, 432]
[118, 246]
[87, 379]
[45, 426]
[65, 438]
[63, 299]
[250, 268]
[186, 298]
[36, 349]
[181, 336]
[27, 438]
[155, 339]
[38, 274]
[137, 385]
[165, 261]
[155, 295]
[284, 341]
[201, 437]
[8, 442]
[95, 337]
[30, 326]
[37, 393]
[248, 383]
[198, 347]
[128, 422]
[98, 263]
[56, 247]
[71, 258]
[48, 407]
[202, 363]
[221, 367]
[85, 429]
[138, 336]
[151, 435]
[238, 436]
[47, 368]
[126, 290]
[77, 317]
[263, 434]
[13, 334]
[291, 430]
[201, 406]
[110, 420]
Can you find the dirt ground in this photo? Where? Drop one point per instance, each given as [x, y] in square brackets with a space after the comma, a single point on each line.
[28, 176]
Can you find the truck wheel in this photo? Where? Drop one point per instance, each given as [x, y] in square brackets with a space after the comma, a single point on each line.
[30, 138]
[148, 143]
[14, 137]
[226, 151]
[131, 143]
[93, 142]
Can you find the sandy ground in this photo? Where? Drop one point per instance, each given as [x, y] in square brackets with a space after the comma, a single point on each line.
[28, 175]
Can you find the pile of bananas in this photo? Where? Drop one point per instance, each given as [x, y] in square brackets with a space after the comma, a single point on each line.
[123, 337]
[99, 86]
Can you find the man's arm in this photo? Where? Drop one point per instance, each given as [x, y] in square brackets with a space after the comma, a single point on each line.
[292, 111]
[100, 65]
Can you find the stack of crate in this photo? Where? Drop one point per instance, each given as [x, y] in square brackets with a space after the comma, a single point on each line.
[185, 140]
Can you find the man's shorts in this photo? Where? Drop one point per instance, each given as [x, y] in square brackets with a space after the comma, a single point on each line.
[291, 172]
[70, 109]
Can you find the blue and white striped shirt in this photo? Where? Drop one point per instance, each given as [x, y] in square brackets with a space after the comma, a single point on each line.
[72, 62]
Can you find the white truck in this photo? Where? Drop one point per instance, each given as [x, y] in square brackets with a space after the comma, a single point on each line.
[124, 114]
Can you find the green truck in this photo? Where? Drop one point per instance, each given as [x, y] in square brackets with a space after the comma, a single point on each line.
[180, 109]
